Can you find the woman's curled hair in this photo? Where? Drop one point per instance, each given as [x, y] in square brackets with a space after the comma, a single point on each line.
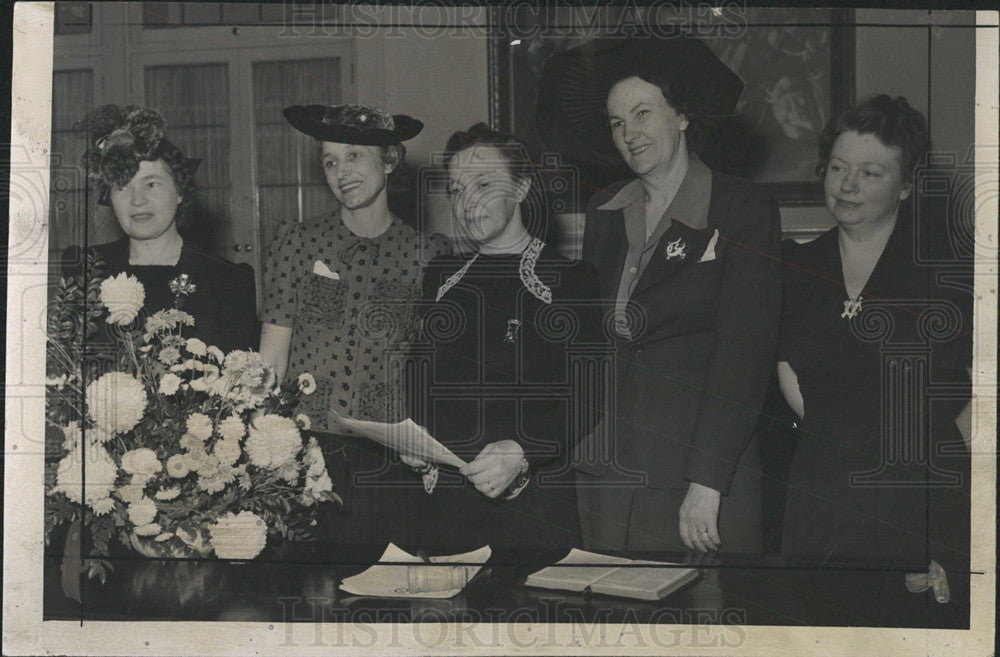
[119, 138]
[891, 120]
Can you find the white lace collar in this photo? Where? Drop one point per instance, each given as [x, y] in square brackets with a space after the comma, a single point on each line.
[526, 271]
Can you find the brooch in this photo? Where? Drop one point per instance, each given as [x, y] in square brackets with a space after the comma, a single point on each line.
[851, 307]
[676, 250]
[513, 326]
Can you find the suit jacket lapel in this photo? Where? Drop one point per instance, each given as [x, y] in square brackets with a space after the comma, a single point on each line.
[678, 247]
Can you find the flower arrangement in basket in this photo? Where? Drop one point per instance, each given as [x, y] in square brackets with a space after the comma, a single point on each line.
[177, 449]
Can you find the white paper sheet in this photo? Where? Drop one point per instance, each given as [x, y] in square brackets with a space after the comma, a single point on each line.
[386, 581]
[406, 437]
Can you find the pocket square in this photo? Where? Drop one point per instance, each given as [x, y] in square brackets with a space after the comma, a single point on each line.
[320, 269]
[709, 254]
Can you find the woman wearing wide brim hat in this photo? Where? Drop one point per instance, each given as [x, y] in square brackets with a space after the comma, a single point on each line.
[689, 259]
[339, 301]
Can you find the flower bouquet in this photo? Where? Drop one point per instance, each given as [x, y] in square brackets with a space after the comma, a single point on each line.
[168, 444]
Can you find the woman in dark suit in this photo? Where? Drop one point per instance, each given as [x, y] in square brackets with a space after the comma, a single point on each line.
[871, 320]
[689, 258]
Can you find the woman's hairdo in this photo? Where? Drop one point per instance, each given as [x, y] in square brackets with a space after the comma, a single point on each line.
[534, 208]
[694, 133]
[119, 138]
[392, 155]
[513, 150]
[891, 120]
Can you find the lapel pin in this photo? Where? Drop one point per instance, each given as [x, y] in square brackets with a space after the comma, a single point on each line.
[513, 326]
[676, 250]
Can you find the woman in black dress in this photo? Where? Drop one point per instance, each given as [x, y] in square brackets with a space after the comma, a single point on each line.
[514, 343]
[148, 182]
[881, 470]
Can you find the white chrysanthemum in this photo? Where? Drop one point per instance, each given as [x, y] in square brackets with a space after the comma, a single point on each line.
[103, 506]
[148, 530]
[232, 428]
[169, 355]
[200, 425]
[166, 320]
[274, 441]
[165, 536]
[116, 402]
[123, 296]
[131, 492]
[323, 484]
[243, 477]
[142, 463]
[307, 384]
[100, 474]
[313, 459]
[142, 512]
[167, 494]
[177, 466]
[199, 460]
[216, 354]
[228, 451]
[240, 536]
[191, 443]
[303, 421]
[196, 347]
[289, 471]
[169, 384]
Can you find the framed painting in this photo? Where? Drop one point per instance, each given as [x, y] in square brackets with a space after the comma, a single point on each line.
[798, 66]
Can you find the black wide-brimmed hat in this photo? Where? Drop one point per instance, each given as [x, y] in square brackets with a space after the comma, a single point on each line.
[352, 124]
[573, 89]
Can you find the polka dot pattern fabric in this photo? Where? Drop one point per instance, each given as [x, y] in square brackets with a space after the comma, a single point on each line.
[345, 329]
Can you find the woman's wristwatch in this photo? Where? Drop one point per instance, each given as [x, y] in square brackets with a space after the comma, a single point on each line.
[520, 481]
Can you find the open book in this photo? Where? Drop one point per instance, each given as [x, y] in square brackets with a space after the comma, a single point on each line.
[598, 573]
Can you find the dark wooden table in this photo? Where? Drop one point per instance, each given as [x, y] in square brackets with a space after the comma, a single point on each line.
[759, 590]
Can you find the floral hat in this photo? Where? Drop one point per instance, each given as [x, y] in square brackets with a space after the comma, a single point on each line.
[352, 124]
[573, 89]
[119, 138]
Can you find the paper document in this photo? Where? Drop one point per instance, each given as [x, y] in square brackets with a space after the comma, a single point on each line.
[412, 577]
[406, 437]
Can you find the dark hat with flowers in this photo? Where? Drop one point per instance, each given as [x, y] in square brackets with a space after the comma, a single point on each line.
[352, 124]
[119, 138]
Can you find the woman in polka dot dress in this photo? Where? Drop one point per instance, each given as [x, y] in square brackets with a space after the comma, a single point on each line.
[339, 304]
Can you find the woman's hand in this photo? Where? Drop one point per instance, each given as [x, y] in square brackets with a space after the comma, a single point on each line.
[495, 468]
[699, 518]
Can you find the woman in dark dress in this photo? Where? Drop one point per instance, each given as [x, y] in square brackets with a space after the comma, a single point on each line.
[514, 344]
[147, 180]
[689, 258]
[880, 472]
